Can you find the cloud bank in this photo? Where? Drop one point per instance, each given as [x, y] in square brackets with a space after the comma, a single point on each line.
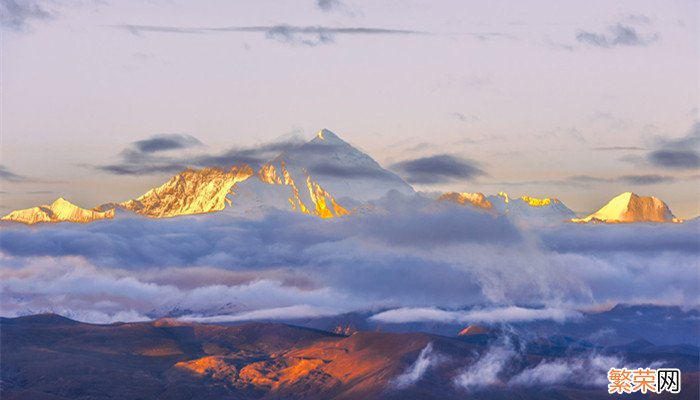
[445, 263]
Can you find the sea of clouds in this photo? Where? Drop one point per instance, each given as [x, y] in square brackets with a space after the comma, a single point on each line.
[446, 263]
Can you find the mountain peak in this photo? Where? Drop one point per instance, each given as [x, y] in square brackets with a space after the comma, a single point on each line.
[629, 207]
[326, 135]
[61, 202]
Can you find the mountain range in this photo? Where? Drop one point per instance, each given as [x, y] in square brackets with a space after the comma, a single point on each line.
[325, 177]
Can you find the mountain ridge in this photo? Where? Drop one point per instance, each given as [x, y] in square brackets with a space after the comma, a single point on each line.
[61, 210]
[324, 177]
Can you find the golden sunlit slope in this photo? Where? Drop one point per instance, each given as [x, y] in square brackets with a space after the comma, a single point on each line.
[190, 192]
[628, 207]
[475, 199]
[308, 197]
[278, 184]
[60, 210]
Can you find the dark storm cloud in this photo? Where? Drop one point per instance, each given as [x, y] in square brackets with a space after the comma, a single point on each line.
[679, 154]
[289, 34]
[616, 35]
[17, 15]
[439, 168]
[142, 157]
[165, 142]
[8, 176]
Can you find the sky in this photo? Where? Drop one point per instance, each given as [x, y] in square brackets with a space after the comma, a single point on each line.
[580, 101]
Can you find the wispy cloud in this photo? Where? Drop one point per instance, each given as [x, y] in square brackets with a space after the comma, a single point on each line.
[284, 33]
[494, 315]
[427, 359]
[297, 311]
[584, 370]
[675, 159]
[144, 157]
[616, 35]
[633, 179]
[165, 142]
[618, 148]
[437, 169]
[329, 5]
[486, 370]
[17, 15]
[679, 154]
[9, 176]
[464, 117]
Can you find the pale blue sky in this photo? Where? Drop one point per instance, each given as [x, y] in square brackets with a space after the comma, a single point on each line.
[528, 91]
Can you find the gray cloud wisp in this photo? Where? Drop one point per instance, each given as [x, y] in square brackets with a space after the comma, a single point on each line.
[438, 168]
[289, 34]
[617, 35]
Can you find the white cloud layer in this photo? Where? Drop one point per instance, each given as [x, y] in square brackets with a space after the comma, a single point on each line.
[450, 264]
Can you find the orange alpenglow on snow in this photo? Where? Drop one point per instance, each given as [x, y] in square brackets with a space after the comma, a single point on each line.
[60, 210]
[628, 207]
[475, 199]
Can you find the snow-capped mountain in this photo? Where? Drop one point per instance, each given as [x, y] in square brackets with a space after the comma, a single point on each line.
[530, 209]
[325, 177]
[340, 169]
[628, 207]
[475, 199]
[524, 209]
[59, 211]
[188, 192]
